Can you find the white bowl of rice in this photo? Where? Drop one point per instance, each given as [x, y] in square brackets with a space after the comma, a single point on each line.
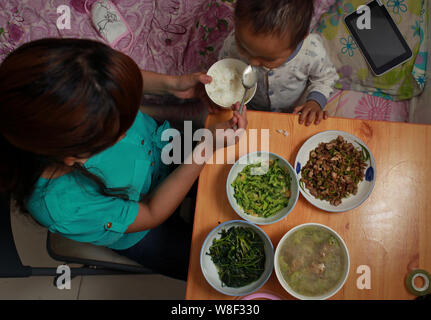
[226, 87]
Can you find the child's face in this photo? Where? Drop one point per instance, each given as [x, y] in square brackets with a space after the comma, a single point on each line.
[262, 50]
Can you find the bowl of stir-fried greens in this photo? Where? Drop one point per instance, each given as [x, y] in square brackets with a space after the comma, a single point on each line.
[237, 258]
[336, 171]
[262, 187]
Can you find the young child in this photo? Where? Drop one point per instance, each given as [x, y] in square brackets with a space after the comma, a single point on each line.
[82, 158]
[295, 74]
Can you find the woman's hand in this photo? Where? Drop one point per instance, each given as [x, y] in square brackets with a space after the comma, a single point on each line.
[192, 86]
[188, 86]
[184, 87]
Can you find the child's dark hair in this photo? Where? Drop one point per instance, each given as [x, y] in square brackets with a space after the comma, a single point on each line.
[62, 98]
[277, 17]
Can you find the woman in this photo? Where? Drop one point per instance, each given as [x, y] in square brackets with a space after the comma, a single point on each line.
[82, 158]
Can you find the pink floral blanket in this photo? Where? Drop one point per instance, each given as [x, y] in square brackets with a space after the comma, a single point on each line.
[170, 36]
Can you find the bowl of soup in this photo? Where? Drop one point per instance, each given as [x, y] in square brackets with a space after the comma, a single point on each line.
[311, 262]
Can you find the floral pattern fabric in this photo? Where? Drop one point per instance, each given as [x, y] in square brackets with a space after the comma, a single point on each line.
[403, 82]
[359, 105]
[171, 36]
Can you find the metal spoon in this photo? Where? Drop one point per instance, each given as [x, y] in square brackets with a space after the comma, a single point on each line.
[248, 79]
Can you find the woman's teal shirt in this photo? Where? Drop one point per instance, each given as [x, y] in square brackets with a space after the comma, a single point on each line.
[72, 206]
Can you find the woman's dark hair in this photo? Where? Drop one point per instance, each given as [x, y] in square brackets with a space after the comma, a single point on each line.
[277, 17]
[62, 98]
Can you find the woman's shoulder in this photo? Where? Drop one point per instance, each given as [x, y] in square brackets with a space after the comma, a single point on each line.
[143, 125]
[81, 214]
[58, 199]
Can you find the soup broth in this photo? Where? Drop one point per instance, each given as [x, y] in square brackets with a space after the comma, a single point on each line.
[312, 261]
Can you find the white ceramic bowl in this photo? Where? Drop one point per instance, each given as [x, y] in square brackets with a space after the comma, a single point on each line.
[253, 158]
[224, 66]
[364, 187]
[284, 283]
[209, 269]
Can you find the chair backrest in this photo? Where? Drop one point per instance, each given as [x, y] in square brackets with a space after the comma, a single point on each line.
[61, 249]
[10, 262]
[70, 251]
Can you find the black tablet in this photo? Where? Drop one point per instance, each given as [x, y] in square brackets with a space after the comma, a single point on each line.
[378, 37]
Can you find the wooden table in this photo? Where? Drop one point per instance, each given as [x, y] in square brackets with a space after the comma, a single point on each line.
[390, 232]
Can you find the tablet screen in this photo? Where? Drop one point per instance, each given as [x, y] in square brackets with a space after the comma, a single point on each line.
[382, 44]
[381, 41]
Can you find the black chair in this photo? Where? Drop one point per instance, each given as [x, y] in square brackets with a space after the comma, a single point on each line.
[95, 260]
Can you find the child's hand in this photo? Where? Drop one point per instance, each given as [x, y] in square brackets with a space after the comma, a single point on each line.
[238, 124]
[310, 111]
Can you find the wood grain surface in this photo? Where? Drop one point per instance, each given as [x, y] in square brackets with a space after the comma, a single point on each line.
[390, 232]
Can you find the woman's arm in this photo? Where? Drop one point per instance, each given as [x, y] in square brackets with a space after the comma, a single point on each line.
[171, 192]
[166, 198]
[184, 87]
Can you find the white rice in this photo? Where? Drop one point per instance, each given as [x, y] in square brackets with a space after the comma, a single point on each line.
[226, 88]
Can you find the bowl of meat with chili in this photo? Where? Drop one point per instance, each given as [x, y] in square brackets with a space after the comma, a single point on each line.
[336, 171]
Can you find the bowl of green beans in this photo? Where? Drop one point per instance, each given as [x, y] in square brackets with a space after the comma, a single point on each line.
[237, 258]
[262, 187]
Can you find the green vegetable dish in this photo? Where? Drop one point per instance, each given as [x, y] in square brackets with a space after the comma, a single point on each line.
[312, 261]
[262, 195]
[239, 255]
